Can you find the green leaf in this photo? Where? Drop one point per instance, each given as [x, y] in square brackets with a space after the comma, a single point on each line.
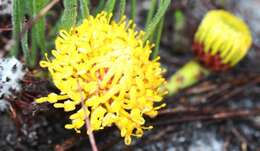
[100, 6]
[25, 48]
[151, 12]
[84, 9]
[33, 52]
[110, 5]
[17, 20]
[133, 9]
[39, 27]
[158, 39]
[69, 16]
[122, 5]
[156, 19]
[30, 53]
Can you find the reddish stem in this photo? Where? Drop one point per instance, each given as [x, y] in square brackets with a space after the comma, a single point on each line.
[88, 126]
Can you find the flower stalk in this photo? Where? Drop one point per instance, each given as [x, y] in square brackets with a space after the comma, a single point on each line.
[88, 126]
[188, 75]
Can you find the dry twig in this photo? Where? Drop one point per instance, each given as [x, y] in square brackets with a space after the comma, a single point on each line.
[5, 29]
[88, 127]
[198, 114]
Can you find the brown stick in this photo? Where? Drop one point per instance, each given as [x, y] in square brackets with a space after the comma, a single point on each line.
[5, 29]
[30, 23]
[207, 114]
[88, 126]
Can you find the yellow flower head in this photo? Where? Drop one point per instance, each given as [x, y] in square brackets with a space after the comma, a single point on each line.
[105, 65]
[222, 40]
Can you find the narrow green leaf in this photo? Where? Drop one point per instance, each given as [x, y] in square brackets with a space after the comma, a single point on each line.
[101, 4]
[69, 16]
[122, 5]
[84, 9]
[33, 50]
[110, 5]
[25, 48]
[151, 12]
[39, 27]
[30, 53]
[158, 39]
[133, 9]
[17, 20]
[156, 19]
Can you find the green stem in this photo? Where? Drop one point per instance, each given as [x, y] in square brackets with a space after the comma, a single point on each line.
[122, 5]
[188, 75]
[133, 10]
[158, 39]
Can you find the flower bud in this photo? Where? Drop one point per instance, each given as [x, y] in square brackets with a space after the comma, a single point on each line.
[221, 40]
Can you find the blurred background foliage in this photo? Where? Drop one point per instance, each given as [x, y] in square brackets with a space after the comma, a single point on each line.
[36, 23]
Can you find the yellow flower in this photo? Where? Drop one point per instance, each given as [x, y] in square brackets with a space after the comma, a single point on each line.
[221, 40]
[105, 63]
